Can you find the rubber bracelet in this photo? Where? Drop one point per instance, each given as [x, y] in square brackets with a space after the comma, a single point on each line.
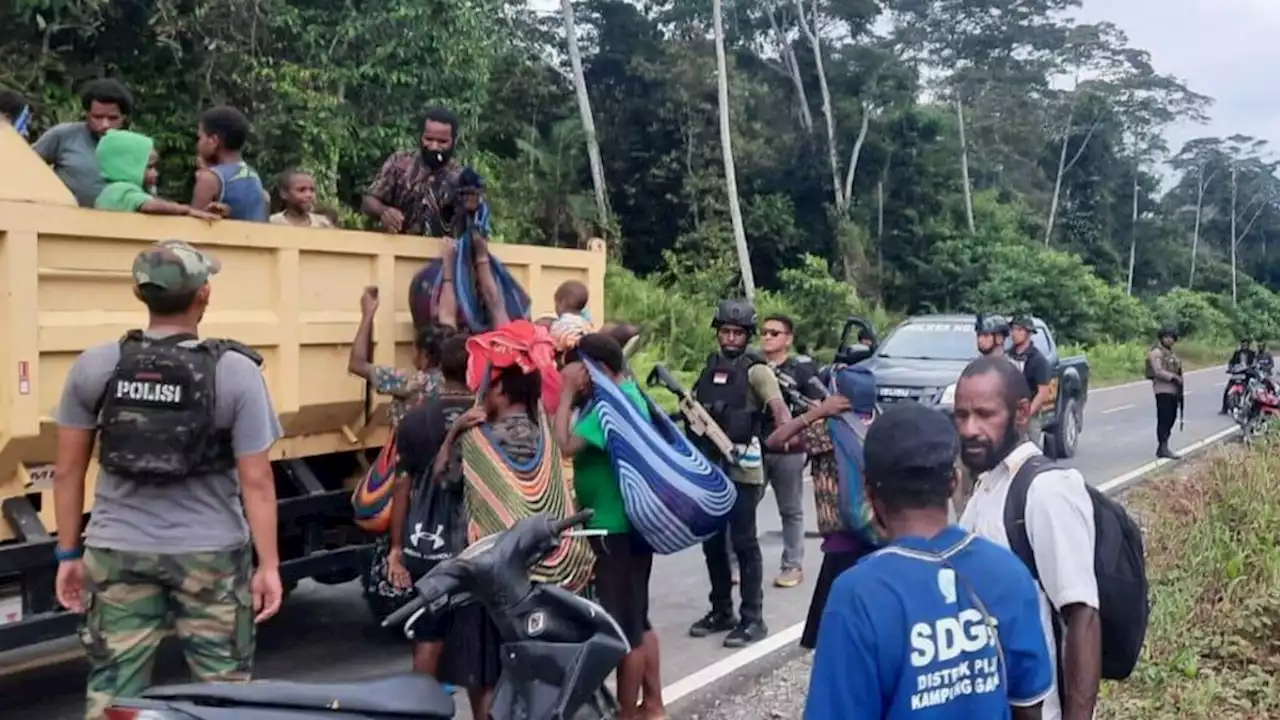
[63, 555]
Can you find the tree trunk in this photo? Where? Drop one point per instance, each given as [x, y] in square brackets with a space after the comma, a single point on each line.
[793, 70]
[1057, 189]
[1234, 188]
[853, 157]
[1133, 231]
[880, 227]
[964, 170]
[811, 31]
[726, 146]
[584, 110]
[1195, 232]
[802, 97]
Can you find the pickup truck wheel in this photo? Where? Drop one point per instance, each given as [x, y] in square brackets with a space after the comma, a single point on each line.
[1066, 433]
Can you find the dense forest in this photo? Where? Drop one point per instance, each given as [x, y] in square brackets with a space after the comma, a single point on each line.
[886, 156]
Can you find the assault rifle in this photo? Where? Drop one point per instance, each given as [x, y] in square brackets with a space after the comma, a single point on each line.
[696, 418]
[794, 392]
[1182, 402]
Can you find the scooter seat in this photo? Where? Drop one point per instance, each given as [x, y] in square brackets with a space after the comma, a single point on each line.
[404, 695]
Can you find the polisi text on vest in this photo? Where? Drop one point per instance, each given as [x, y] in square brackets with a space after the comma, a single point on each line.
[147, 391]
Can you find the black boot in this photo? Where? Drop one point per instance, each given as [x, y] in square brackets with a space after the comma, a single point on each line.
[1163, 451]
[746, 633]
[712, 623]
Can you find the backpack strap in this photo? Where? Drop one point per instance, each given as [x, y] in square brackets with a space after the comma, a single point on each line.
[1015, 525]
[1015, 510]
[224, 345]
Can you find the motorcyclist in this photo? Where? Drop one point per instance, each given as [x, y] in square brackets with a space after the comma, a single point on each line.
[1265, 362]
[1244, 356]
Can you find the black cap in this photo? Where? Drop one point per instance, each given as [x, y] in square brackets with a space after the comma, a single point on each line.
[1024, 322]
[908, 441]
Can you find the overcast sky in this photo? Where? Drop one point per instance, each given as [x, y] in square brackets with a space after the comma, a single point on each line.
[1226, 49]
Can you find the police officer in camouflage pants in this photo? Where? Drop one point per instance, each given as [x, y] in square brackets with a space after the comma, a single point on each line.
[169, 535]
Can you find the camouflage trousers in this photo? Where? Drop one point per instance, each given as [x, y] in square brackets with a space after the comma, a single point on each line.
[132, 599]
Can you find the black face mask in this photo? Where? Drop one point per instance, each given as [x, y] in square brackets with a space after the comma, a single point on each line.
[436, 159]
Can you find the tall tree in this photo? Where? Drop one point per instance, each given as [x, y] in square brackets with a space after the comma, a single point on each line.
[726, 146]
[584, 111]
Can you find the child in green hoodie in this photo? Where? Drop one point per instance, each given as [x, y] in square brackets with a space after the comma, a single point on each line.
[128, 162]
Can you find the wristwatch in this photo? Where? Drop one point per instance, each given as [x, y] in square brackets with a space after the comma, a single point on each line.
[62, 555]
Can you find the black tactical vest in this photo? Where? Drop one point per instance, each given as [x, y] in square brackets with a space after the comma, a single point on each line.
[157, 414]
[724, 390]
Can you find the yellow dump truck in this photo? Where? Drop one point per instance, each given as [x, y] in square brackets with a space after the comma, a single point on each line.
[291, 293]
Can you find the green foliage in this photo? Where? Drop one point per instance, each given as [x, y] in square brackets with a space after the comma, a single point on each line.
[1213, 558]
[1194, 313]
[335, 86]
[1112, 363]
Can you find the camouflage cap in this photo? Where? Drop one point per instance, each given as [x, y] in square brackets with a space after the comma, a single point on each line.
[174, 266]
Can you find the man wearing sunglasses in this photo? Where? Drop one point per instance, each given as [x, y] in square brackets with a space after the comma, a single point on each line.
[784, 470]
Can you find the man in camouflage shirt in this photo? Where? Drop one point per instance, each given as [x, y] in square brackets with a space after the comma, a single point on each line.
[172, 552]
[417, 192]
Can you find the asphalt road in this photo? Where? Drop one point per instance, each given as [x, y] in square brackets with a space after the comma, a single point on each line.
[324, 632]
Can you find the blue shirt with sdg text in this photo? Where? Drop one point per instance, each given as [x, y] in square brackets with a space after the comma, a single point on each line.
[903, 636]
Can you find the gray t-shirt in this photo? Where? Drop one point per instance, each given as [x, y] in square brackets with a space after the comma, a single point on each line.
[73, 152]
[203, 514]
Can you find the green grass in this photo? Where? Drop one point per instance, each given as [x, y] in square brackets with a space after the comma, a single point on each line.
[1111, 364]
[1213, 559]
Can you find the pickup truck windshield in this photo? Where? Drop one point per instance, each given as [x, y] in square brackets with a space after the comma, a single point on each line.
[932, 341]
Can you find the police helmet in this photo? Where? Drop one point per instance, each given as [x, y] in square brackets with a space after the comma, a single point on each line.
[1169, 331]
[738, 313]
[992, 324]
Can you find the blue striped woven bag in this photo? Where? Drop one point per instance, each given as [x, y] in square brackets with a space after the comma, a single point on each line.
[674, 497]
[425, 288]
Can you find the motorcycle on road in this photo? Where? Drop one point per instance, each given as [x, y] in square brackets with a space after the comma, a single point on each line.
[1253, 400]
[558, 650]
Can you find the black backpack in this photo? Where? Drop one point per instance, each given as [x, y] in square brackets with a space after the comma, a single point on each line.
[1118, 563]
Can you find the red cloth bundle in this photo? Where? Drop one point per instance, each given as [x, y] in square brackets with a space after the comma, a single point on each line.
[519, 343]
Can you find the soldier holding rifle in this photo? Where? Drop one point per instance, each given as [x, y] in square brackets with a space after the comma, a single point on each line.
[1164, 370]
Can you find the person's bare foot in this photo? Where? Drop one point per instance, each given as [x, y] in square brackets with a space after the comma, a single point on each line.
[648, 712]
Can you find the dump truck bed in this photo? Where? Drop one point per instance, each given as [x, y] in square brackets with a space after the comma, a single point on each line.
[291, 293]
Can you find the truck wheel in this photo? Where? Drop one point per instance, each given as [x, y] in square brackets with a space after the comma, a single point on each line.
[1066, 434]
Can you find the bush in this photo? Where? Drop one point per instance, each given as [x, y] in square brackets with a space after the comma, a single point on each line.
[1213, 554]
[1194, 313]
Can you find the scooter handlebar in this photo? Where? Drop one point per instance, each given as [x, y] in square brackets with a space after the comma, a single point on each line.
[405, 612]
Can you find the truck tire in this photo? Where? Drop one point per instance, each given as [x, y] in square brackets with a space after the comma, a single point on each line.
[1060, 443]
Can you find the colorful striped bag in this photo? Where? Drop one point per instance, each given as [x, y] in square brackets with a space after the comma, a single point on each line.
[501, 491]
[674, 497]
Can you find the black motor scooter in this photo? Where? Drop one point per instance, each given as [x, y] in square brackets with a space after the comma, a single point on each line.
[558, 650]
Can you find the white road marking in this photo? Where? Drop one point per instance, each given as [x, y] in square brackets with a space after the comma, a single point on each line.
[1118, 409]
[1136, 383]
[723, 668]
[1119, 483]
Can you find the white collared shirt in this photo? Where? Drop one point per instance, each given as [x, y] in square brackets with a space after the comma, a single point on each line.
[1061, 531]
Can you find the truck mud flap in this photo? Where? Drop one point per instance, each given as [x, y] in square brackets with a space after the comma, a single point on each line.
[28, 567]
